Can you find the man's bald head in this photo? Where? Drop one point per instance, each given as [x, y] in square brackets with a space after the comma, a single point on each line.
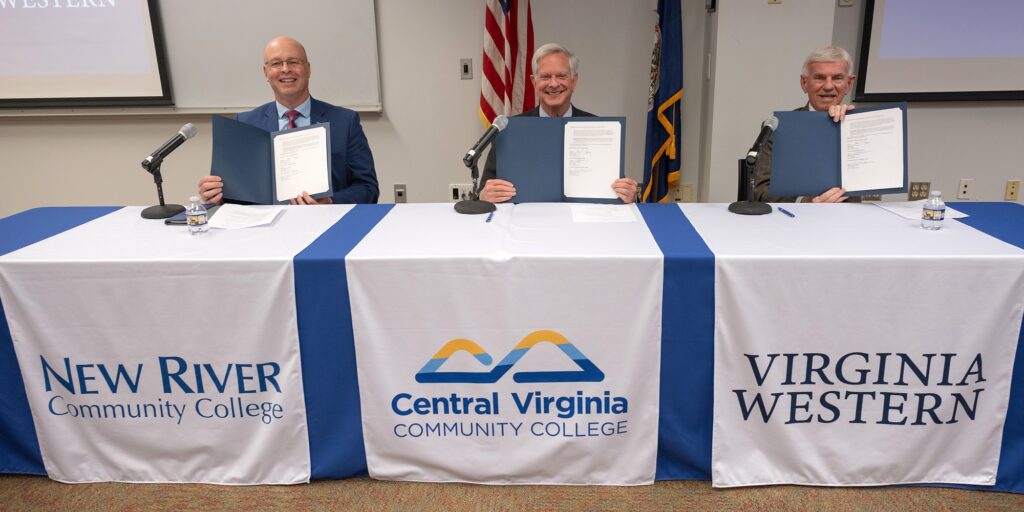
[287, 70]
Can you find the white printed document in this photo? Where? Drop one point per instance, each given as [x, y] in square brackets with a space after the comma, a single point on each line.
[872, 150]
[301, 162]
[591, 159]
[234, 216]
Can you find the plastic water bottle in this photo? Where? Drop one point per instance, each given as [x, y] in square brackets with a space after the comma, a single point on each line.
[933, 212]
[196, 216]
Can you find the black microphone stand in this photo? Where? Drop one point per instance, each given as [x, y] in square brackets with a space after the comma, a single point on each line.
[749, 207]
[160, 211]
[473, 205]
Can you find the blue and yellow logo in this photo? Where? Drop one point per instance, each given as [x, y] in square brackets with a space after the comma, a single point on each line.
[588, 372]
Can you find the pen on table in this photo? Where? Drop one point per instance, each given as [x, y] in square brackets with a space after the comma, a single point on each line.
[787, 212]
[489, 216]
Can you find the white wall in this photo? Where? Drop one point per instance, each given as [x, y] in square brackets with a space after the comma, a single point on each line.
[429, 120]
[758, 50]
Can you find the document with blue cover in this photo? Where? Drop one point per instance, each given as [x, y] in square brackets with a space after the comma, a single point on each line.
[556, 159]
[270, 168]
[865, 154]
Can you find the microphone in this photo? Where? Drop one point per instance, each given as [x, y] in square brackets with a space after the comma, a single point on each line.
[473, 154]
[767, 127]
[186, 132]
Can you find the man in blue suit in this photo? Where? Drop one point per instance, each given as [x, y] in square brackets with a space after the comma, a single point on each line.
[287, 69]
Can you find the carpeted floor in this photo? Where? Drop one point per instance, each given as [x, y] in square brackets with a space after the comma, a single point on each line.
[39, 493]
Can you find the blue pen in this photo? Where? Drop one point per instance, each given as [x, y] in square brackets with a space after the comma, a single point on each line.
[489, 216]
[787, 212]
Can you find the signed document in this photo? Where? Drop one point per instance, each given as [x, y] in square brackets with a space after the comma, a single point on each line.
[591, 159]
[872, 150]
[301, 162]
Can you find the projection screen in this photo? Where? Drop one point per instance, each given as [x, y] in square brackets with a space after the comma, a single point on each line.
[942, 50]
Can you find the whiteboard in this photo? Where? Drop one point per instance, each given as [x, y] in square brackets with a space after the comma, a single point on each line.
[214, 50]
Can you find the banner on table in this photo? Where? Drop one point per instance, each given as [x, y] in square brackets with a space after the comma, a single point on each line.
[837, 367]
[151, 356]
[533, 369]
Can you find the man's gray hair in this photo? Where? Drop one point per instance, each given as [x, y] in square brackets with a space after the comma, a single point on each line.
[548, 49]
[829, 54]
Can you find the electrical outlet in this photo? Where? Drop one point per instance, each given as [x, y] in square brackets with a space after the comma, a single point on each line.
[685, 193]
[919, 190]
[965, 189]
[1012, 190]
[466, 68]
[459, 191]
[399, 193]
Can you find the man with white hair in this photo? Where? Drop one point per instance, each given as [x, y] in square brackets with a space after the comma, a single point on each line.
[826, 79]
[555, 73]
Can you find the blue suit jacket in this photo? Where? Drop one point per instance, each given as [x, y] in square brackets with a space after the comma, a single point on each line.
[353, 177]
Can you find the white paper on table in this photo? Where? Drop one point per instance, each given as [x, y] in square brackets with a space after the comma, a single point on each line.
[603, 213]
[234, 216]
[591, 159]
[300, 163]
[871, 146]
[912, 209]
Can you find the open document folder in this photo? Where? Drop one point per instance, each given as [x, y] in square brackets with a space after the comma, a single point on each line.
[270, 168]
[555, 159]
[865, 154]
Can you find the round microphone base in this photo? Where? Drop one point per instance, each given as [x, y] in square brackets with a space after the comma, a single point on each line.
[471, 207]
[162, 211]
[750, 208]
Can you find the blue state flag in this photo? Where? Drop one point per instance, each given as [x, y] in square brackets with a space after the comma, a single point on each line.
[662, 159]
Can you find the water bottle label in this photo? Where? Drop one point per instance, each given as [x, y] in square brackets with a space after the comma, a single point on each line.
[197, 219]
[933, 214]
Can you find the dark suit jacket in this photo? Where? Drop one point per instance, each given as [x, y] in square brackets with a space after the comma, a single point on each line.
[353, 178]
[763, 176]
[491, 165]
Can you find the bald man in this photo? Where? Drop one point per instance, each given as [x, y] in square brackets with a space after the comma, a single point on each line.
[287, 69]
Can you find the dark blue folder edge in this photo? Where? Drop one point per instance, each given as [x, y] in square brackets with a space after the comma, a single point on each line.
[530, 155]
[811, 156]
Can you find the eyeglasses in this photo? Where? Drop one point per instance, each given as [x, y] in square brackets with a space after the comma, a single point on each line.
[278, 64]
[544, 77]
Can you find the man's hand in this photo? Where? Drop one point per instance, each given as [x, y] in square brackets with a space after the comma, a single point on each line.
[832, 195]
[838, 112]
[497, 191]
[211, 190]
[625, 188]
[305, 198]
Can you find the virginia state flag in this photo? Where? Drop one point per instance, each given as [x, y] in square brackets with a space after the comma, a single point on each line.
[664, 105]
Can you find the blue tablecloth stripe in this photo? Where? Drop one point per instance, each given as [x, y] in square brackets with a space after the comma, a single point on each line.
[687, 345]
[1005, 221]
[19, 447]
[328, 346]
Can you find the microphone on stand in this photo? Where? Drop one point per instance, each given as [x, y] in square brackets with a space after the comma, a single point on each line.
[153, 160]
[767, 129]
[749, 206]
[473, 205]
[152, 165]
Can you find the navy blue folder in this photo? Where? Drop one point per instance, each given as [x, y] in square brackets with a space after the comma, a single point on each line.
[243, 156]
[806, 153]
[530, 156]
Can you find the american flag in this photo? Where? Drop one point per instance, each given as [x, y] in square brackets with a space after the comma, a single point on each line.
[508, 50]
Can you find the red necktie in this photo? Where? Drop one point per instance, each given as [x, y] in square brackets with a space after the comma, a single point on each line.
[291, 115]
